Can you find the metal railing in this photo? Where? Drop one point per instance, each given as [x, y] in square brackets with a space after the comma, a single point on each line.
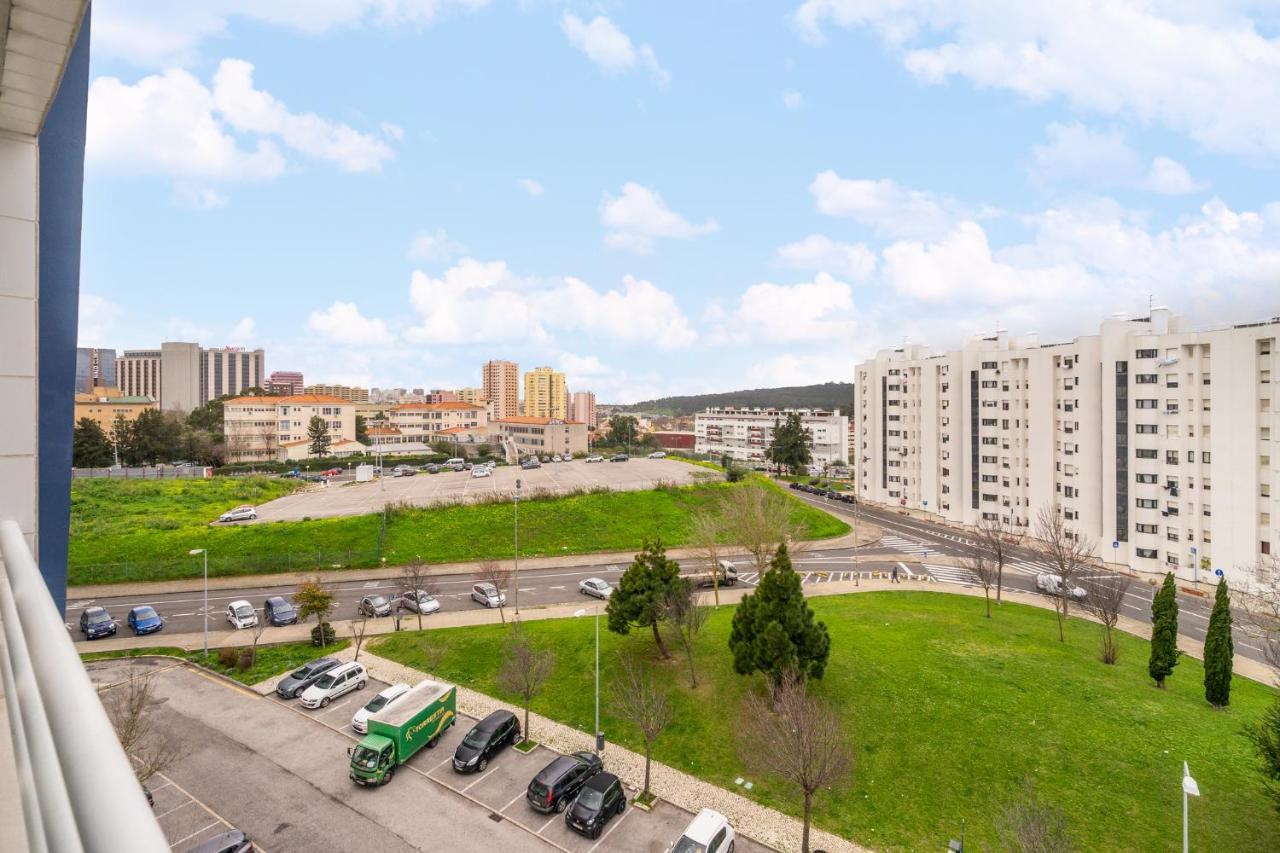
[77, 787]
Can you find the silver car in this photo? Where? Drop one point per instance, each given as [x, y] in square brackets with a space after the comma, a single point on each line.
[240, 513]
[595, 587]
[418, 601]
[488, 595]
[1052, 585]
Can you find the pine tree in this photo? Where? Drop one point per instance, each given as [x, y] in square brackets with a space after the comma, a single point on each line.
[790, 445]
[1164, 631]
[641, 592]
[318, 432]
[773, 628]
[1219, 650]
[90, 447]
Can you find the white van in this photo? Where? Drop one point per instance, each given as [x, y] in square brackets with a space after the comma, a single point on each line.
[334, 683]
[457, 460]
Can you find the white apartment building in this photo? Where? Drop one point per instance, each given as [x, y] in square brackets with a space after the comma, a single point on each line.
[1157, 441]
[745, 434]
[262, 429]
[412, 427]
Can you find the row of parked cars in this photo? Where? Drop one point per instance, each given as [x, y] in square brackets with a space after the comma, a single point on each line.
[824, 492]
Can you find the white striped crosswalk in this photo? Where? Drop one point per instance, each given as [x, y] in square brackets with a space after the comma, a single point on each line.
[952, 574]
[905, 545]
[1031, 567]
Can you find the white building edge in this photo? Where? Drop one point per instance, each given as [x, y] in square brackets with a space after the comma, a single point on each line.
[744, 433]
[1157, 441]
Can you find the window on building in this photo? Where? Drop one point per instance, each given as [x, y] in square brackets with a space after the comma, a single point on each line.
[1144, 353]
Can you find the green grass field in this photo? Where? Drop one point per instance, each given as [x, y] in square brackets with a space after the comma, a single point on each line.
[272, 659]
[947, 713]
[127, 530]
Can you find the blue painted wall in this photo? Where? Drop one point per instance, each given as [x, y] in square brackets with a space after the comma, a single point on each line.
[61, 197]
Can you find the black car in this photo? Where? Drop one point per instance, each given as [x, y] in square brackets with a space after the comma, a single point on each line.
[234, 841]
[279, 611]
[292, 685]
[374, 605]
[557, 783]
[486, 738]
[530, 464]
[96, 622]
[619, 457]
[601, 798]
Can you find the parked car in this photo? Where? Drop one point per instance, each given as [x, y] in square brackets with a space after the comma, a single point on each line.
[558, 783]
[241, 614]
[338, 681]
[360, 722]
[374, 605]
[658, 454]
[292, 685]
[403, 472]
[486, 739]
[233, 841]
[144, 619]
[240, 513]
[619, 457]
[480, 471]
[594, 458]
[278, 610]
[555, 458]
[1052, 585]
[430, 469]
[488, 595]
[530, 464]
[597, 587]
[96, 622]
[418, 601]
[333, 472]
[290, 474]
[601, 798]
[546, 459]
[708, 832]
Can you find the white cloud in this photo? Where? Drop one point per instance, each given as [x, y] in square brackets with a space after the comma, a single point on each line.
[580, 369]
[610, 48]
[1201, 69]
[343, 323]
[159, 33]
[1169, 177]
[817, 252]
[801, 369]
[391, 131]
[792, 100]
[198, 197]
[813, 311]
[242, 333]
[639, 216]
[892, 210]
[98, 320]
[530, 186]
[1075, 154]
[480, 302]
[435, 246]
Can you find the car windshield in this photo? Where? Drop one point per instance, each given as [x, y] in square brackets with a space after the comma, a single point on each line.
[688, 845]
[590, 798]
[476, 738]
[99, 618]
[244, 611]
[282, 608]
[325, 682]
[365, 757]
[377, 703]
[305, 672]
[144, 613]
[377, 601]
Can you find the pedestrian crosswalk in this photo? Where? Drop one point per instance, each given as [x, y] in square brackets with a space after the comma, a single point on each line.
[952, 574]
[905, 545]
[814, 577]
[1032, 567]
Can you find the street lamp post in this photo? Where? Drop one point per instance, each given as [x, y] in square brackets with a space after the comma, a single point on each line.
[598, 733]
[205, 613]
[517, 547]
[1189, 787]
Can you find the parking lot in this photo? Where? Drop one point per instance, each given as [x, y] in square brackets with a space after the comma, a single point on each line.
[279, 772]
[347, 497]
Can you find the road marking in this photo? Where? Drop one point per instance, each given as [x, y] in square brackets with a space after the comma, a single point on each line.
[514, 799]
[371, 584]
[197, 832]
[556, 587]
[611, 829]
[480, 777]
[550, 821]
[441, 764]
[172, 810]
[953, 574]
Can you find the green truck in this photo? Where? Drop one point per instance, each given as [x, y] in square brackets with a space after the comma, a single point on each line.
[400, 730]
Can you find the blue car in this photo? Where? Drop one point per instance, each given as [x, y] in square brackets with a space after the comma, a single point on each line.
[279, 611]
[143, 619]
[96, 622]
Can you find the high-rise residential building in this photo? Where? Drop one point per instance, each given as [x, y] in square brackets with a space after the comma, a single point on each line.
[1125, 432]
[95, 368]
[230, 370]
[182, 376]
[292, 379]
[342, 392]
[746, 433]
[584, 408]
[472, 395]
[501, 383]
[544, 394]
[138, 373]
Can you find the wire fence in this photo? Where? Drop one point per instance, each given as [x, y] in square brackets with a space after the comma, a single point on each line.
[317, 560]
[149, 472]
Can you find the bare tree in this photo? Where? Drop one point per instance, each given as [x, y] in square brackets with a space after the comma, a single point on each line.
[257, 630]
[796, 737]
[431, 653]
[998, 536]
[683, 611]
[644, 703]
[129, 705]
[524, 671]
[491, 571]
[758, 518]
[359, 626]
[1260, 608]
[1067, 551]
[416, 575]
[707, 530]
[1031, 825]
[983, 566]
[1104, 598]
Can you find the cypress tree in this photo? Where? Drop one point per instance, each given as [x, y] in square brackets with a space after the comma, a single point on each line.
[1219, 650]
[773, 628]
[1164, 631]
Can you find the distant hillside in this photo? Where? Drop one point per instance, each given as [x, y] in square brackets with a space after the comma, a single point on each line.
[828, 395]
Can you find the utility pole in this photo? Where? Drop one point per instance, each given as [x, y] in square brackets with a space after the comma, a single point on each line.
[205, 552]
[517, 547]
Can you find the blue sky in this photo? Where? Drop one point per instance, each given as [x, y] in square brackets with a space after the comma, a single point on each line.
[668, 197]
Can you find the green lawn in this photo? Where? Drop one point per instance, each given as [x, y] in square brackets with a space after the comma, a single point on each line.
[142, 530]
[272, 660]
[947, 713]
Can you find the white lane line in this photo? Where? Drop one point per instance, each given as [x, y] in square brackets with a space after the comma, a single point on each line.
[514, 800]
[174, 809]
[197, 832]
[480, 777]
[441, 764]
[550, 821]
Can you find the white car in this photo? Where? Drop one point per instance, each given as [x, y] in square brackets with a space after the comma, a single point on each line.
[360, 722]
[418, 601]
[241, 614]
[480, 471]
[708, 832]
[555, 458]
[488, 595]
[1052, 585]
[240, 513]
[594, 458]
[336, 682]
[597, 587]
[657, 454]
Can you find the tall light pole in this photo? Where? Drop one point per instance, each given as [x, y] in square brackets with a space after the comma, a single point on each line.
[205, 613]
[598, 733]
[1190, 787]
[517, 546]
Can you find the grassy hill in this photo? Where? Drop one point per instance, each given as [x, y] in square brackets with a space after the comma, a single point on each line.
[828, 395]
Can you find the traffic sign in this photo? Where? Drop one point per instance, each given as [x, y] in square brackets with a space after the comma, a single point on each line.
[1115, 543]
[1218, 572]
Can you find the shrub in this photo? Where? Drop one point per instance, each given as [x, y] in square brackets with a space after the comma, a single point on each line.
[228, 657]
[813, 481]
[329, 635]
[244, 660]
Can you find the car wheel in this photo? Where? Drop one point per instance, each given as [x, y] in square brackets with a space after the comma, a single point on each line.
[484, 762]
[431, 744]
[360, 685]
[622, 805]
[730, 847]
[560, 805]
[595, 832]
[391, 771]
[324, 702]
